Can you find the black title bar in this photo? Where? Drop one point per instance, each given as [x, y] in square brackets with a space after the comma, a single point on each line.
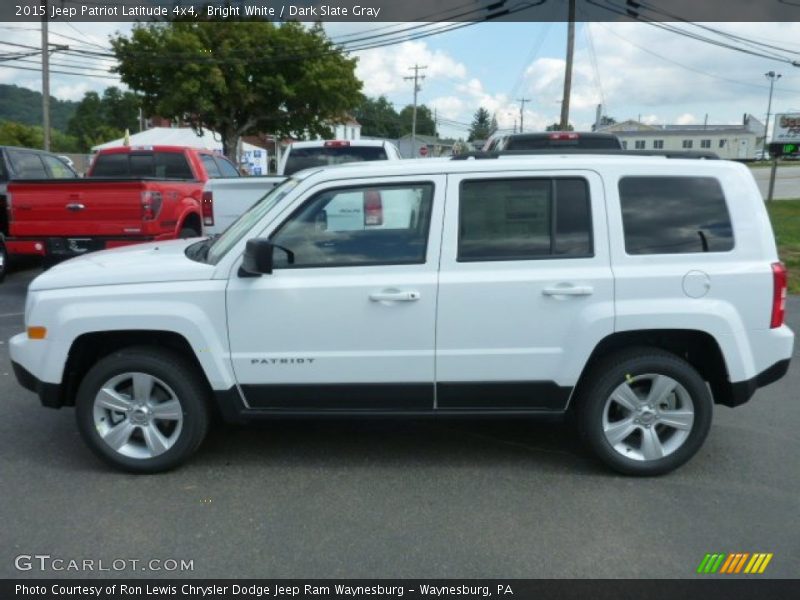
[372, 11]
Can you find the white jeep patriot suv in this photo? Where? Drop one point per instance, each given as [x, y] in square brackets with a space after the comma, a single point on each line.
[635, 292]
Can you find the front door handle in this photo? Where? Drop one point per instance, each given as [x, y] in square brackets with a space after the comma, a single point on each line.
[568, 290]
[394, 296]
[75, 207]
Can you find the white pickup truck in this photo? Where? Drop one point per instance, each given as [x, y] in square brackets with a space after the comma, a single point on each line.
[635, 292]
[231, 197]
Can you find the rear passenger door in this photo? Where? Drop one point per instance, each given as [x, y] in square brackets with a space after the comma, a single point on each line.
[525, 288]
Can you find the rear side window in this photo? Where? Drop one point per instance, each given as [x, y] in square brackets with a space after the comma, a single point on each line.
[226, 168]
[524, 219]
[211, 167]
[27, 165]
[674, 215]
[305, 158]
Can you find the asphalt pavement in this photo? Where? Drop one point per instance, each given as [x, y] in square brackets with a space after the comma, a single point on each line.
[787, 181]
[399, 498]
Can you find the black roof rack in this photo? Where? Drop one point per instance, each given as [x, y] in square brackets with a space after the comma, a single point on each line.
[609, 152]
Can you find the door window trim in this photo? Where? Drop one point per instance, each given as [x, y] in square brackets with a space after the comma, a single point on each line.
[553, 214]
[393, 184]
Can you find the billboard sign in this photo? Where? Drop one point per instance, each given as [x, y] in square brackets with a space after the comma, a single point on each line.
[786, 128]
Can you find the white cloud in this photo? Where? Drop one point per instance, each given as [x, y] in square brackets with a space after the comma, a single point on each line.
[383, 69]
[686, 119]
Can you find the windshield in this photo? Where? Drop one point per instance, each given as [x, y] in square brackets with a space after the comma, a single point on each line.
[247, 221]
[303, 158]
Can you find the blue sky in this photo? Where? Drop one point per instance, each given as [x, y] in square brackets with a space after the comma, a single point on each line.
[637, 70]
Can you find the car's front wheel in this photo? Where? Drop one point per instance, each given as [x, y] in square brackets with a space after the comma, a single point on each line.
[644, 411]
[142, 409]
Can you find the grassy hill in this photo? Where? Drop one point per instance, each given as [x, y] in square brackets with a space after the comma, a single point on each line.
[25, 106]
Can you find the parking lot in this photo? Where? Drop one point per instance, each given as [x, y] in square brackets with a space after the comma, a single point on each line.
[399, 498]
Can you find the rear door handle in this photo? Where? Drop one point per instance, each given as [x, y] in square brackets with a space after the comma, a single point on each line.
[395, 296]
[568, 290]
[75, 206]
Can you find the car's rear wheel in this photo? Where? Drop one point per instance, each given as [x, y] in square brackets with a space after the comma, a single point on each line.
[644, 411]
[188, 232]
[142, 409]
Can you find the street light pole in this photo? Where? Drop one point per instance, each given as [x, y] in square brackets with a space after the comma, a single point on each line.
[773, 77]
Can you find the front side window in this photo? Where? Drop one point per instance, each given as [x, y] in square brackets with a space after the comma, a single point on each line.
[674, 215]
[58, 167]
[524, 219]
[359, 226]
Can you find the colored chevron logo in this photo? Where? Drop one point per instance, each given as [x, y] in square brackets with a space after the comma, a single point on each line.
[734, 563]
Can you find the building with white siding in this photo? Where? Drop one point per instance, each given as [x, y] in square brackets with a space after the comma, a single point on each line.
[727, 141]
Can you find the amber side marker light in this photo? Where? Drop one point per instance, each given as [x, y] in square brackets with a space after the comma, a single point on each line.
[37, 333]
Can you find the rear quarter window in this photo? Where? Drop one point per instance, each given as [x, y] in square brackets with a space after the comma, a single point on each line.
[674, 215]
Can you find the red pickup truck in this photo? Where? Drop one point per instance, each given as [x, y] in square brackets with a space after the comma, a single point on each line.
[129, 195]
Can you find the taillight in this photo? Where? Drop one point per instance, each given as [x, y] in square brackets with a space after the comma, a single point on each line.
[373, 208]
[151, 205]
[337, 144]
[564, 135]
[207, 208]
[779, 285]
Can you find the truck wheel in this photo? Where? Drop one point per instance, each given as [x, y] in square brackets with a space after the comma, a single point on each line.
[3, 260]
[188, 232]
[142, 409]
[644, 411]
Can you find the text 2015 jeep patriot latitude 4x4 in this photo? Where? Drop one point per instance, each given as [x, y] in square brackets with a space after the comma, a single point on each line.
[635, 291]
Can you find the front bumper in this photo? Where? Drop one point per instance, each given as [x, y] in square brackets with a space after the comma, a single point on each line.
[49, 393]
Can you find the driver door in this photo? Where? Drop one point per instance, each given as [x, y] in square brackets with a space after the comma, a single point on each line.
[350, 324]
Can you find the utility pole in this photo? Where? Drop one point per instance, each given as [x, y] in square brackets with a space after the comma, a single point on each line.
[417, 88]
[522, 102]
[773, 77]
[568, 70]
[45, 79]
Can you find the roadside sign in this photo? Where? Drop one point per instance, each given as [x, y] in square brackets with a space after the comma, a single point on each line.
[423, 151]
[786, 128]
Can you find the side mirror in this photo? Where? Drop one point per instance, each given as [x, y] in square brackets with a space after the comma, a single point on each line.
[258, 257]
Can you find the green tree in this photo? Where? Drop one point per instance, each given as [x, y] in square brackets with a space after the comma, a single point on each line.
[378, 118]
[481, 127]
[605, 121]
[32, 136]
[100, 119]
[239, 78]
[557, 127]
[426, 125]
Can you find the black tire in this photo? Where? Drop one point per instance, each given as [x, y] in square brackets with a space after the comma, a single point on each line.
[3, 260]
[605, 377]
[173, 370]
[188, 232]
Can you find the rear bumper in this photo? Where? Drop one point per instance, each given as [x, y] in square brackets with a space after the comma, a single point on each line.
[49, 393]
[742, 391]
